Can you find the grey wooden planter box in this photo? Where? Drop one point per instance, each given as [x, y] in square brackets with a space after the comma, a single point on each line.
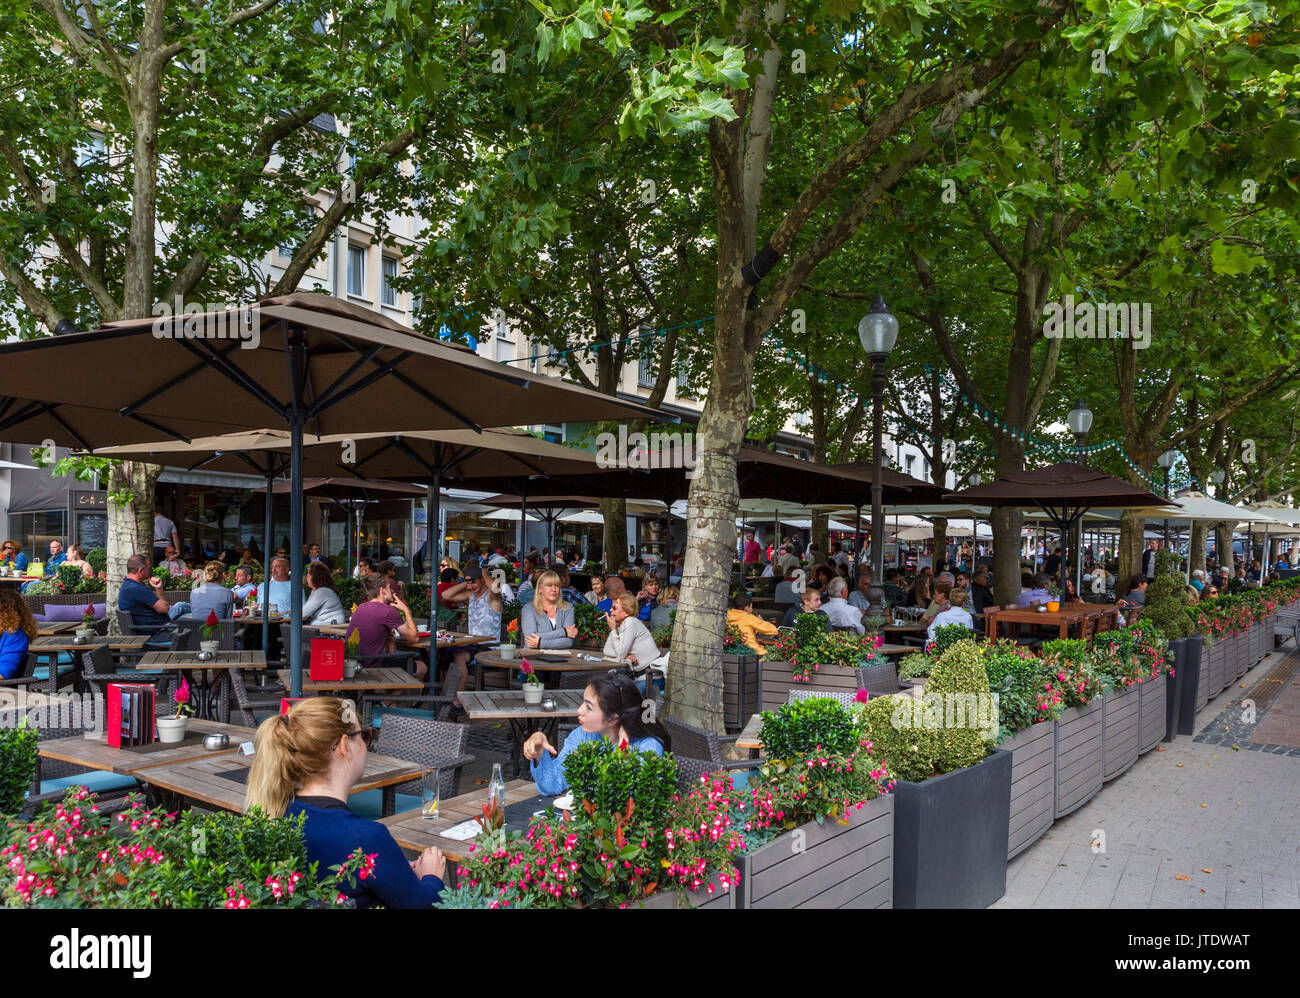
[1078, 757]
[673, 898]
[739, 689]
[1121, 731]
[1190, 660]
[1256, 642]
[826, 866]
[1152, 713]
[1214, 664]
[950, 837]
[778, 680]
[1240, 655]
[1032, 787]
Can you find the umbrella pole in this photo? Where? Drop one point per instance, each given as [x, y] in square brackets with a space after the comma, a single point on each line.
[295, 532]
[857, 543]
[432, 545]
[266, 562]
[523, 524]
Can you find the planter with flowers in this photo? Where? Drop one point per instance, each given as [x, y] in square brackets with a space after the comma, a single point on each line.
[953, 797]
[532, 683]
[820, 833]
[210, 635]
[1029, 701]
[172, 729]
[1123, 659]
[87, 629]
[812, 657]
[1078, 755]
[1167, 608]
[351, 655]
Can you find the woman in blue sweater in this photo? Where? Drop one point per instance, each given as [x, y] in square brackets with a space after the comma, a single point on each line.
[612, 708]
[306, 762]
[17, 628]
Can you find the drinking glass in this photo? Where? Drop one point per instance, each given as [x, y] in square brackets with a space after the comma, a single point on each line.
[431, 794]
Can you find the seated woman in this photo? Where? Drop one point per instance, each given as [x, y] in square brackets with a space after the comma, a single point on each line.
[612, 708]
[661, 615]
[628, 640]
[954, 613]
[77, 559]
[306, 762]
[597, 589]
[174, 564]
[548, 621]
[1070, 595]
[211, 596]
[919, 594]
[742, 616]
[17, 629]
[11, 554]
[323, 605]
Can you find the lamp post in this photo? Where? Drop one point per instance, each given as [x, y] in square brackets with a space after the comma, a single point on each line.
[1166, 462]
[878, 332]
[1079, 419]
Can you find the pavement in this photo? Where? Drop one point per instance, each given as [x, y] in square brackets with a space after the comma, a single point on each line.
[1203, 822]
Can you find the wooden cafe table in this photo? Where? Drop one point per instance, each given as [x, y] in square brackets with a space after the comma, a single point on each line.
[45, 628]
[570, 660]
[415, 833]
[524, 718]
[1069, 616]
[92, 751]
[222, 782]
[66, 642]
[221, 663]
[365, 681]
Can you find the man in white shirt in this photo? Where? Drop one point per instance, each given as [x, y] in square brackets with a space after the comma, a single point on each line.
[954, 614]
[858, 598]
[839, 610]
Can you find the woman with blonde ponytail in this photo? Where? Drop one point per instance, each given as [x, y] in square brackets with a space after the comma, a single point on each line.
[307, 760]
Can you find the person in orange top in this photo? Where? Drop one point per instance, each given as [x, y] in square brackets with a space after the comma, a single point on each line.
[742, 616]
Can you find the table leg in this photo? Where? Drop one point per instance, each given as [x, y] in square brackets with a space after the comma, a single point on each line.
[389, 805]
[518, 732]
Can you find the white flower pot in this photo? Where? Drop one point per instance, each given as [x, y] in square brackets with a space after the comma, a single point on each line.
[172, 729]
[210, 646]
[350, 667]
[85, 633]
[532, 693]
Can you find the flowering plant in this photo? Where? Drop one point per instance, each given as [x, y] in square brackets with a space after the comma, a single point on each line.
[88, 615]
[512, 632]
[1028, 692]
[733, 641]
[210, 626]
[530, 674]
[182, 698]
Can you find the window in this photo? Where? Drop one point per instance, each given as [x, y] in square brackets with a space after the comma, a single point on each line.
[683, 374]
[911, 462]
[95, 150]
[502, 324]
[645, 373]
[357, 270]
[390, 275]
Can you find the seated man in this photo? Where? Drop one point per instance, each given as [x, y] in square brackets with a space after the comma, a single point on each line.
[742, 616]
[614, 588]
[858, 598]
[1039, 593]
[484, 612]
[955, 614]
[377, 618]
[567, 592]
[893, 591]
[244, 583]
[785, 588]
[140, 596]
[839, 610]
[981, 593]
[812, 603]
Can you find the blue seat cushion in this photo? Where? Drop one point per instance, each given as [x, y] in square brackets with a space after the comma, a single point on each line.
[740, 778]
[377, 714]
[370, 803]
[42, 672]
[96, 781]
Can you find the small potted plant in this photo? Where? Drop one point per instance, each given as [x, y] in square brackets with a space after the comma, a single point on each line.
[210, 641]
[87, 629]
[250, 604]
[351, 653]
[532, 684]
[172, 729]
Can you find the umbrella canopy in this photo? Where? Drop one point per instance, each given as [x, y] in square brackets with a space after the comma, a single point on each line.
[512, 515]
[586, 516]
[1189, 506]
[310, 361]
[916, 534]
[1064, 491]
[348, 488]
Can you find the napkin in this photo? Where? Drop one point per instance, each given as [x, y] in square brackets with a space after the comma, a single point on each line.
[463, 832]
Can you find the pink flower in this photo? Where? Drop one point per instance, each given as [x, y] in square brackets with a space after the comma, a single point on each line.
[862, 696]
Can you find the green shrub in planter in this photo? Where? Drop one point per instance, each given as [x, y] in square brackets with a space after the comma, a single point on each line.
[17, 766]
[1027, 693]
[98, 559]
[802, 728]
[608, 777]
[351, 592]
[1166, 601]
[945, 637]
[915, 666]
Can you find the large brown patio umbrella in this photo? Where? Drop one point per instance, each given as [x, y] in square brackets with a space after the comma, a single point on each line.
[1064, 491]
[312, 362]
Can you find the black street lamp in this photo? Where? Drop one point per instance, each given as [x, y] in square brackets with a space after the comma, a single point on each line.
[1166, 462]
[878, 332]
[1079, 420]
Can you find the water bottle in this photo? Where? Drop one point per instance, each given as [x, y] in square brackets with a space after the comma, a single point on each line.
[497, 788]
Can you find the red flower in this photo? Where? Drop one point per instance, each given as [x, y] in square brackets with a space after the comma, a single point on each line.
[212, 619]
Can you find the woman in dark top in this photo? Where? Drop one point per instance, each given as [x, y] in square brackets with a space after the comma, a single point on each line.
[306, 762]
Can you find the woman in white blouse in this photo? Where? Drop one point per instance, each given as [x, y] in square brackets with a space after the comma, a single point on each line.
[629, 639]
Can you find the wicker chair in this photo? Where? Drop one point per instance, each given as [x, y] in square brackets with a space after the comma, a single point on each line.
[438, 705]
[847, 699]
[97, 672]
[879, 680]
[266, 697]
[696, 743]
[435, 744]
[26, 679]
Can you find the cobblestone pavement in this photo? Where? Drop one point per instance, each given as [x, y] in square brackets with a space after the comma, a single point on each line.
[1200, 824]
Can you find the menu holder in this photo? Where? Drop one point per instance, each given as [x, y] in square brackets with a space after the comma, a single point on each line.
[326, 659]
[130, 714]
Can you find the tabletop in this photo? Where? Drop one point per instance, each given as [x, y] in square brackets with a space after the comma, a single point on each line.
[386, 678]
[46, 628]
[572, 662]
[115, 642]
[917, 628]
[414, 833]
[455, 641]
[223, 781]
[495, 705]
[748, 738]
[94, 752]
[190, 660]
[888, 649]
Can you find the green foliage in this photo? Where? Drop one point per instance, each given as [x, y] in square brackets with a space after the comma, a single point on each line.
[960, 670]
[663, 636]
[17, 766]
[945, 637]
[915, 665]
[1130, 654]
[1166, 600]
[592, 626]
[416, 596]
[608, 776]
[1027, 693]
[818, 725]
[350, 591]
